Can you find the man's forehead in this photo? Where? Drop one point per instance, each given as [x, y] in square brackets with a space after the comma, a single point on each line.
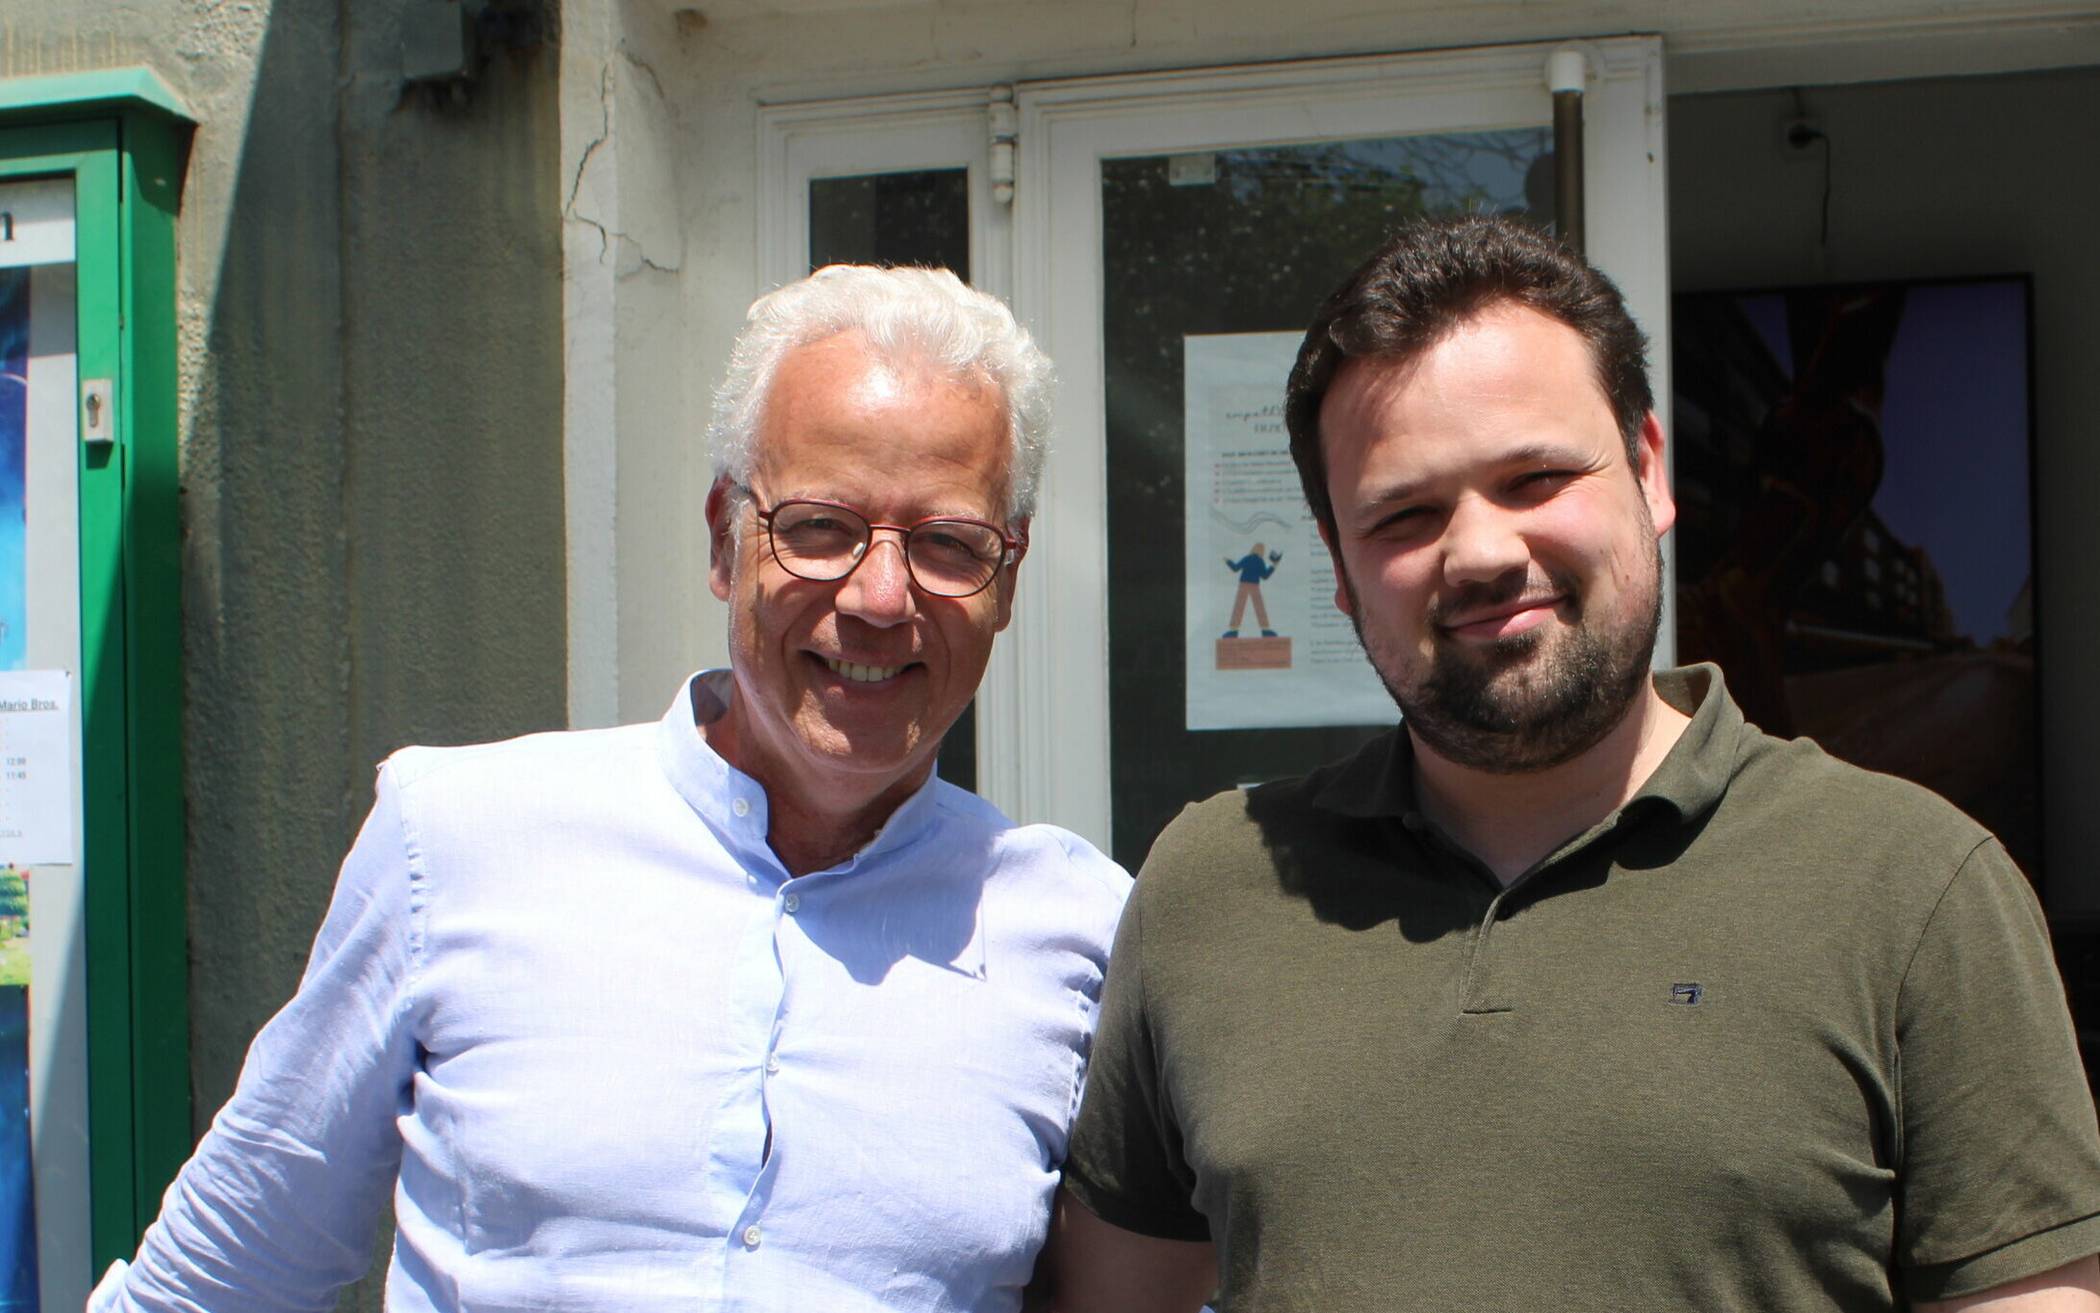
[1504, 342]
[1370, 380]
[849, 358]
[893, 451]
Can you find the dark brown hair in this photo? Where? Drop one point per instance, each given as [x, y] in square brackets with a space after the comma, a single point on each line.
[1430, 278]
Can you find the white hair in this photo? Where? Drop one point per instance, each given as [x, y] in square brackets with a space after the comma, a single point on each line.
[924, 314]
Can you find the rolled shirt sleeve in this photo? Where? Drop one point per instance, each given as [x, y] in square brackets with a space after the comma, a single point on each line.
[1999, 1156]
[279, 1205]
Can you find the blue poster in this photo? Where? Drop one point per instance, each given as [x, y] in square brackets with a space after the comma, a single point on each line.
[14, 446]
[18, 1286]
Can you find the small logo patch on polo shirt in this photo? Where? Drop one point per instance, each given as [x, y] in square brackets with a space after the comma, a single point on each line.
[1688, 994]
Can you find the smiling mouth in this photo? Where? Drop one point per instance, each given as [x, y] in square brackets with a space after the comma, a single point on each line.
[860, 674]
[1496, 621]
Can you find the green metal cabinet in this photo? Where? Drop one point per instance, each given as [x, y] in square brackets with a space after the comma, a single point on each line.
[122, 138]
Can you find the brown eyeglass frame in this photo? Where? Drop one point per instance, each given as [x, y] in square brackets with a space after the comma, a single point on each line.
[1013, 547]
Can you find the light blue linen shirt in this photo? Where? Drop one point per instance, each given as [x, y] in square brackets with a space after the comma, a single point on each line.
[608, 1055]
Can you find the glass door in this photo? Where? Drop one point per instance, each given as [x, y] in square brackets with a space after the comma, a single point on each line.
[1174, 234]
[1211, 263]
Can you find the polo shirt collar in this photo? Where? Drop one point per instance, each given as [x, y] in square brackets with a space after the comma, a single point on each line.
[713, 788]
[1379, 780]
[1700, 764]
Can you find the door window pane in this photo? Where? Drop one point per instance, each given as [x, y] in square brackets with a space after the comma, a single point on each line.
[1242, 242]
[917, 218]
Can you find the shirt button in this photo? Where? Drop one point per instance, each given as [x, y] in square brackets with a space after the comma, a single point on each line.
[772, 1064]
[793, 903]
[751, 1236]
[741, 807]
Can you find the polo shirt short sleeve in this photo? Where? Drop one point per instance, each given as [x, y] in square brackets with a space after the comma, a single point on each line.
[1991, 1091]
[1129, 1169]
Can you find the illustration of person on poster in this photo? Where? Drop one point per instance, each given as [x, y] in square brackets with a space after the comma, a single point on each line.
[1257, 565]
[18, 1277]
[1299, 663]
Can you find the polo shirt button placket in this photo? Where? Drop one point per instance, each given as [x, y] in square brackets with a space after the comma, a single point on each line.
[1480, 997]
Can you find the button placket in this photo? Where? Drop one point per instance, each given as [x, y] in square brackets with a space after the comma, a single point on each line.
[1476, 995]
[737, 1152]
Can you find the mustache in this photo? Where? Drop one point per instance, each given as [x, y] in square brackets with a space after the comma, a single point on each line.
[1506, 590]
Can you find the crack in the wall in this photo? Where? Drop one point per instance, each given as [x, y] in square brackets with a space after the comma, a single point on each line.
[631, 255]
[583, 164]
[643, 65]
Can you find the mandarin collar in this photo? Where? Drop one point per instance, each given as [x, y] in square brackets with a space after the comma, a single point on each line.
[734, 805]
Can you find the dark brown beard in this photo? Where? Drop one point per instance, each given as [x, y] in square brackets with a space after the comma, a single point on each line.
[1576, 696]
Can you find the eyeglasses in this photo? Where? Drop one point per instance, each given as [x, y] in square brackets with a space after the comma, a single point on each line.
[947, 556]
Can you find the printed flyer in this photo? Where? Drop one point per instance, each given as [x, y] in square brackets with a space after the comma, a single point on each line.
[1266, 647]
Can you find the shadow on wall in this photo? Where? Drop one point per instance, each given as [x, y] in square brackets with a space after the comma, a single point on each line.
[372, 477]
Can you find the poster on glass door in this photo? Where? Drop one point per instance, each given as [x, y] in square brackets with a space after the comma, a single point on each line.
[1265, 646]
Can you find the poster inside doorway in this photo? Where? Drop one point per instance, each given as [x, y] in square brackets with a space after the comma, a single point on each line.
[1265, 645]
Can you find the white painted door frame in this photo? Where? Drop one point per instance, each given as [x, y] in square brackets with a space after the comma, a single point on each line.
[879, 134]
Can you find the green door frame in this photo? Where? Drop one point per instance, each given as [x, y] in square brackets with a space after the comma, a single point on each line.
[123, 137]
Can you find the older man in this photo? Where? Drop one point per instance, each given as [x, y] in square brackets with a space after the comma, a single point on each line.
[743, 1009]
[1577, 992]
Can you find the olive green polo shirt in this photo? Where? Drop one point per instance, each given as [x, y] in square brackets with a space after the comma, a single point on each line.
[1778, 1034]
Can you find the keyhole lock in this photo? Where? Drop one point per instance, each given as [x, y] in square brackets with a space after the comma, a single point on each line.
[97, 425]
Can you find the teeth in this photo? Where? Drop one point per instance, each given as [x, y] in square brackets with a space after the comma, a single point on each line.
[860, 674]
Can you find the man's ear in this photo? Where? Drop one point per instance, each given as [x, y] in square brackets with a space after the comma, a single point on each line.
[1653, 473]
[721, 546]
[1010, 579]
[1342, 601]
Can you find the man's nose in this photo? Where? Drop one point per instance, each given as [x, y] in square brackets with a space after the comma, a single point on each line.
[879, 589]
[1483, 542]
